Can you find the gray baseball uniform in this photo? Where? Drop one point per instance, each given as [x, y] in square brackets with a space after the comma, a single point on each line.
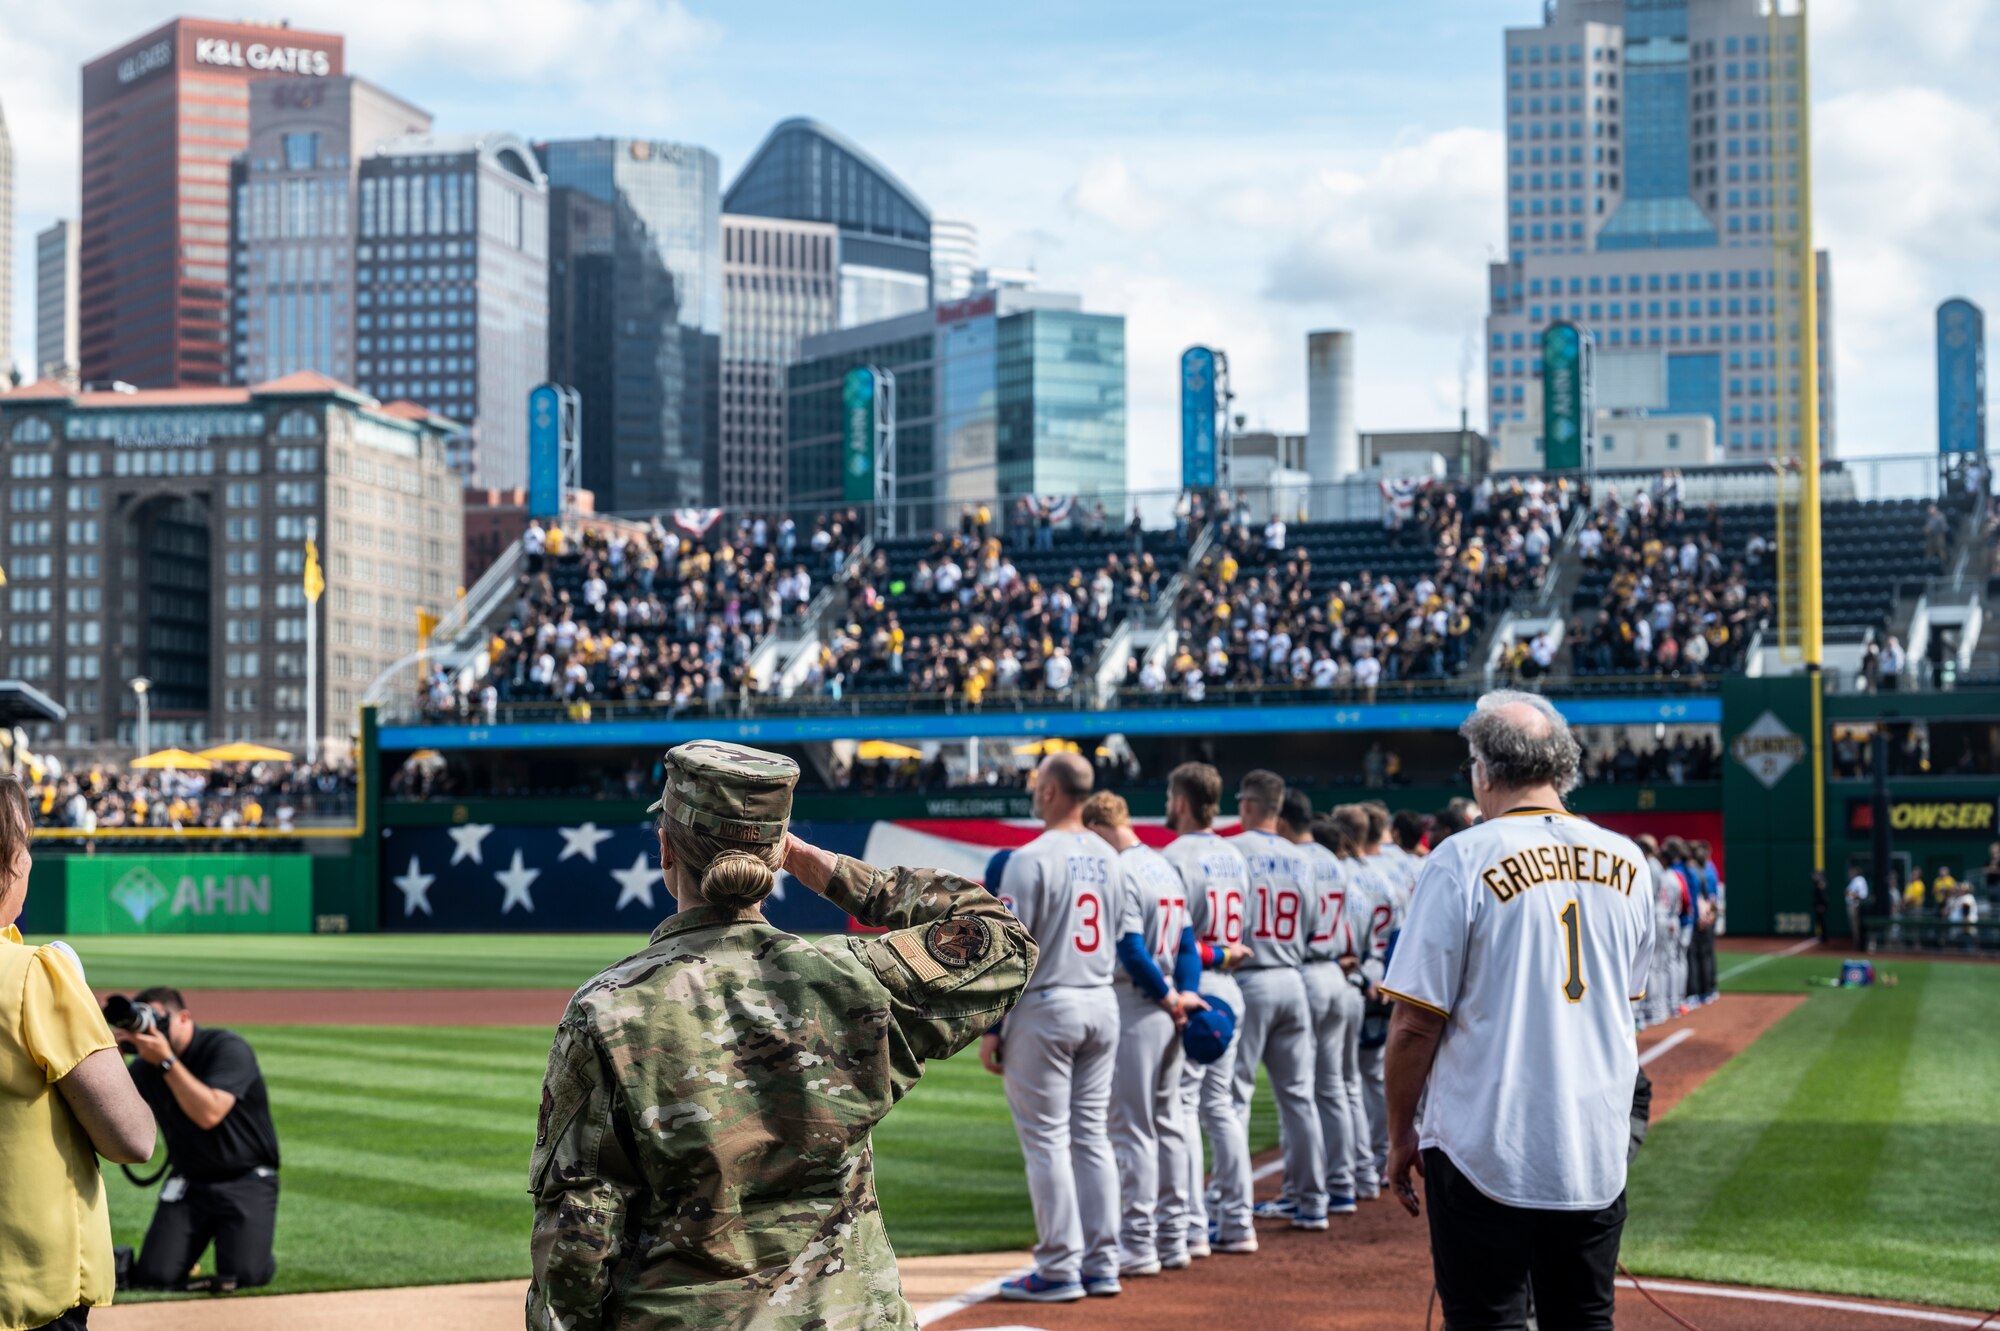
[1148, 1135]
[1336, 1015]
[1060, 1045]
[1218, 890]
[1277, 1026]
[1380, 881]
[1662, 1001]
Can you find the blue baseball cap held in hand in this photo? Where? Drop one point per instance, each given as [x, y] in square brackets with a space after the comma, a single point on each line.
[1207, 1034]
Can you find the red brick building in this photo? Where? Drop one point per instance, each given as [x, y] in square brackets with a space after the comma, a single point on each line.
[163, 116]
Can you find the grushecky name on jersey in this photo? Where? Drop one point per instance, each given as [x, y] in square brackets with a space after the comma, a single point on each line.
[1556, 862]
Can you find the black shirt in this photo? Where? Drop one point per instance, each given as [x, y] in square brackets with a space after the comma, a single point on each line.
[244, 1140]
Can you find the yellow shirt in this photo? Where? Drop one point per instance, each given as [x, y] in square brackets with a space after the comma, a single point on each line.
[55, 1231]
[1913, 893]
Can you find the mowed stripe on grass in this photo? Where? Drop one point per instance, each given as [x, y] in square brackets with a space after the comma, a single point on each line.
[350, 961]
[405, 1154]
[1850, 1151]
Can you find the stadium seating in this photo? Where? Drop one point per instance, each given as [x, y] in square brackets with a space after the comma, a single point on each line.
[989, 614]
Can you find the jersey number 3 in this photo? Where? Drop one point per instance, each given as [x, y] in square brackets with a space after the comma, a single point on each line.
[1572, 924]
[1090, 927]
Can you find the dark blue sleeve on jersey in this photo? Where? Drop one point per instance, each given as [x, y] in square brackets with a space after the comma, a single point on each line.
[1139, 964]
[1187, 963]
[996, 866]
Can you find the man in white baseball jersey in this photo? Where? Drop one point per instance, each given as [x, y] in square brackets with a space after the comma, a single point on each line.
[1336, 1021]
[1527, 943]
[1158, 986]
[1058, 1046]
[1276, 1027]
[1217, 889]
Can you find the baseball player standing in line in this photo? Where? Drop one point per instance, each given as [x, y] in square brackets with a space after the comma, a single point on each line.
[1159, 986]
[1661, 1002]
[1528, 941]
[1369, 885]
[1277, 1026]
[1363, 971]
[1057, 1048]
[1395, 869]
[1217, 889]
[1336, 1025]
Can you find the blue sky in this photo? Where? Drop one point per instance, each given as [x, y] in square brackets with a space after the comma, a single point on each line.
[1233, 174]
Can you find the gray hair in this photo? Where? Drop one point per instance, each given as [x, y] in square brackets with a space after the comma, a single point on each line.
[1520, 752]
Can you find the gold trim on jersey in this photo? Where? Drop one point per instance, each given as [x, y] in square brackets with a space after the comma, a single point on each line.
[1413, 1002]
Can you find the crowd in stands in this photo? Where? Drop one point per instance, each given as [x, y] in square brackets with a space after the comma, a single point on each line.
[1263, 610]
[230, 797]
[1674, 762]
[969, 615]
[662, 611]
[1676, 601]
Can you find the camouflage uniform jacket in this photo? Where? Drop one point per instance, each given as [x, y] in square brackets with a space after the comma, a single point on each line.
[703, 1155]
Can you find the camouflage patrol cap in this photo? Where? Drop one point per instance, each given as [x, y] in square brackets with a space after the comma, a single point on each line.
[728, 790]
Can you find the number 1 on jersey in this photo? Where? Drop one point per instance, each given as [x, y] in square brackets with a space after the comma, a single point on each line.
[1573, 941]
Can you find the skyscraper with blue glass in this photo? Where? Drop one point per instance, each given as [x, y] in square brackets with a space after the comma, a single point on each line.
[652, 444]
[1653, 184]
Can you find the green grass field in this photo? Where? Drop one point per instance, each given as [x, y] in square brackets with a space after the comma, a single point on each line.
[1851, 1150]
[406, 1156]
[351, 961]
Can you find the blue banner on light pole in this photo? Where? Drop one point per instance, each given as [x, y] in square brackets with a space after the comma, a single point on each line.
[1197, 418]
[544, 452]
[1961, 370]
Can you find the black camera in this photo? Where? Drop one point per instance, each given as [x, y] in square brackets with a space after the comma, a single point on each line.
[125, 1015]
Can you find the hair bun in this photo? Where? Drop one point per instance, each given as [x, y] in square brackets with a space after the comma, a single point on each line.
[736, 879]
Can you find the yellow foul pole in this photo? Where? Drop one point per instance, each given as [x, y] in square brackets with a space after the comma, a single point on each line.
[1811, 643]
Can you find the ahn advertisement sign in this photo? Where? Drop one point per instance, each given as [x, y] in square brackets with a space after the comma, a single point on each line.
[189, 894]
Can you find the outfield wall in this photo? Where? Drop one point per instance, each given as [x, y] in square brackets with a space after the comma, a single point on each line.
[581, 865]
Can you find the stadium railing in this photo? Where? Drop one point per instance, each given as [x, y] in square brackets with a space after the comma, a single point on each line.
[1078, 698]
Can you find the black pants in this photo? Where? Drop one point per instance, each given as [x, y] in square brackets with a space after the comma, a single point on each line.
[76, 1319]
[1486, 1255]
[1701, 963]
[239, 1216]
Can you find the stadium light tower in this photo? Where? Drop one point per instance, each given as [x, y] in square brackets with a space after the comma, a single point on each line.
[141, 686]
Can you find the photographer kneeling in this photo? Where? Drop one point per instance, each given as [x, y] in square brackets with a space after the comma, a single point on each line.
[222, 1152]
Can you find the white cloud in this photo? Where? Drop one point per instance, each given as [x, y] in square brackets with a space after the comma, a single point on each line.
[1107, 192]
[1405, 240]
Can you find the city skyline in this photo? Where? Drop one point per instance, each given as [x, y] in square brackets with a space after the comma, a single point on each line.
[1235, 181]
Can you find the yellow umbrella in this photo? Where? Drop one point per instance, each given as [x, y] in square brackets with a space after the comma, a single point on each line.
[1043, 747]
[179, 759]
[244, 752]
[875, 750]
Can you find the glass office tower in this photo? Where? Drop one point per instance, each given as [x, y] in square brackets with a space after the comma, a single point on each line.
[808, 172]
[1652, 159]
[654, 444]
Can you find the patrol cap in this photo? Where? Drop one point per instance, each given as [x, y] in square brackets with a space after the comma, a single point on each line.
[1207, 1034]
[728, 790]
